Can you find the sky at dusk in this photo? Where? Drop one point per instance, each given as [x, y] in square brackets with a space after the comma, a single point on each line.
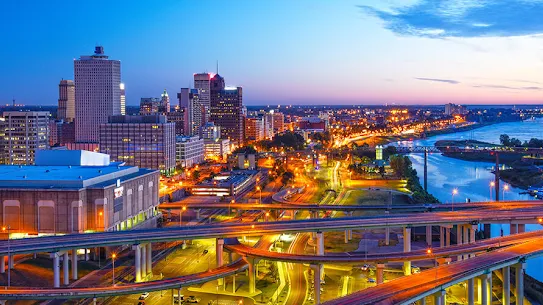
[282, 51]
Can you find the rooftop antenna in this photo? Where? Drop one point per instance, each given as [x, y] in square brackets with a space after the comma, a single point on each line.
[13, 102]
[217, 66]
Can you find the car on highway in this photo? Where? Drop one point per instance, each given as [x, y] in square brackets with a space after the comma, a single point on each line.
[415, 269]
[370, 280]
[141, 303]
[365, 267]
[144, 295]
[193, 299]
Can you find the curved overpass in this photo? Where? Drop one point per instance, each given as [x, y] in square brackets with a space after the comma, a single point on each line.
[71, 241]
[233, 245]
[406, 290]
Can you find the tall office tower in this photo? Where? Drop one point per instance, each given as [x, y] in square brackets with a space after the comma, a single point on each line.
[197, 112]
[123, 99]
[180, 118]
[97, 94]
[183, 97]
[144, 141]
[227, 112]
[202, 83]
[164, 106]
[66, 100]
[25, 132]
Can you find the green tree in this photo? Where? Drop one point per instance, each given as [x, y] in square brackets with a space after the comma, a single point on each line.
[287, 177]
[504, 139]
[196, 175]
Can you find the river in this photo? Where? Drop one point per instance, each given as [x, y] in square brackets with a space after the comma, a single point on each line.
[472, 179]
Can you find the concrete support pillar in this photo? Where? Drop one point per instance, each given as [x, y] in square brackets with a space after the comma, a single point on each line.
[459, 239]
[87, 254]
[485, 297]
[320, 243]
[407, 248]
[252, 275]
[2, 264]
[506, 286]
[346, 236]
[137, 262]
[512, 229]
[471, 291]
[350, 234]
[56, 270]
[74, 264]
[439, 298]
[11, 261]
[447, 237]
[472, 232]
[521, 228]
[441, 237]
[387, 236]
[423, 301]
[429, 236]
[93, 301]
[65, 268]
[143, 269]
[380, 273]
[198, 213]
[179, 301]
[149, 257]
[519, 282]
[219, 250]
[317, 280]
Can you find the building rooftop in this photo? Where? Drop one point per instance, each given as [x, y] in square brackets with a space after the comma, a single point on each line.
[67, 169]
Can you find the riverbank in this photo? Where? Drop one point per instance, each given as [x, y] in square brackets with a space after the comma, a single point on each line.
[385, 140]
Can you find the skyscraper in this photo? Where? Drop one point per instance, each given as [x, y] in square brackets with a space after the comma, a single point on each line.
[97, 94]
[197, 111]
[66, 100]
[26, 132]
[227, 110]
[164, 102]
[202, 83]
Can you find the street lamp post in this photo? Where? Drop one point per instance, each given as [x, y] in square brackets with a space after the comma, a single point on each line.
[259, 189]
[8, 228]
[229, 209]
[454, 192]
[492, 184]
[430, 253]
[113, 256]
[181, 214]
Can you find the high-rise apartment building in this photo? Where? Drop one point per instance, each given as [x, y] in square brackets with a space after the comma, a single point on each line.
[26, 132]
[278, 122]
[97, 93]
[254, 129]
[66, 100]
[143, 141]
[227, 110]
[180, 118]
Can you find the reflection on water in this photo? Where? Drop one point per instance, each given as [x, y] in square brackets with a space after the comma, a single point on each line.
[472, 179]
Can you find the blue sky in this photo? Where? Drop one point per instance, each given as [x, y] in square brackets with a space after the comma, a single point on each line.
[285, 52]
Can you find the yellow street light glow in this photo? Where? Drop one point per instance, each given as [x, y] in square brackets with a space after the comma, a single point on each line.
[252, 226]
[184, 208]
[492, 184]
[506, 187]
[113, 255]
[429, 251]
[455, 191]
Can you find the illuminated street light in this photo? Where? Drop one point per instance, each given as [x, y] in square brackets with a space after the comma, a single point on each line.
[454, 192]
[492, 184]
[505, 189]
[113, 256]
[184, 208]
[259, 189]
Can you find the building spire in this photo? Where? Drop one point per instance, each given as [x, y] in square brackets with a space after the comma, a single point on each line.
[217, 66]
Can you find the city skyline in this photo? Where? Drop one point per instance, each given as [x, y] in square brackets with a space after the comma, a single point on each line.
[353, 52]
